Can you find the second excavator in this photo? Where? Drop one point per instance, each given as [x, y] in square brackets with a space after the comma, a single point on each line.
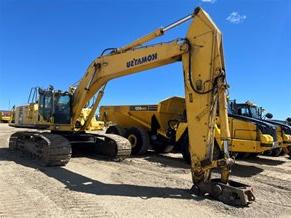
[201, 53]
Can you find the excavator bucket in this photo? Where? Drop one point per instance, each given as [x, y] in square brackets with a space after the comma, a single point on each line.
[232, 193]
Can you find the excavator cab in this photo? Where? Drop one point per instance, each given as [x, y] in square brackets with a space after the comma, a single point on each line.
[55, 105]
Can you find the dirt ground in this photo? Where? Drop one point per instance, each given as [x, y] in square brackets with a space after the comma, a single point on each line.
[147, 186]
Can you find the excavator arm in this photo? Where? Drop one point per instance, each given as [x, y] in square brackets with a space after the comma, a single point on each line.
[201, 53]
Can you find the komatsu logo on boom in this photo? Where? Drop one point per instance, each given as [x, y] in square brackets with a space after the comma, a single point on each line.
[142, 60]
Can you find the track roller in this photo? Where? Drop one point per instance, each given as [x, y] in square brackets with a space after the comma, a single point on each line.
[115, 147]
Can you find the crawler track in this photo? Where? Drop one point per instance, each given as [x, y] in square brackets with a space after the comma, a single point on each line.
[55, 150]
[113, 146]
[121, 146]
[50, 149]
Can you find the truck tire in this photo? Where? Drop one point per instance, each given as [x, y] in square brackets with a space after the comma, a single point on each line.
[276, 152]
[217, 154]
[117, 130]
[163, 148]
[267, 153]
[253, 155]
[185, 149]
[162, 145]
[242, 155]
[139, 140]
[289, 151]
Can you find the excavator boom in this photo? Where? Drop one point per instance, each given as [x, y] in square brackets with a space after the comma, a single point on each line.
[108, 67]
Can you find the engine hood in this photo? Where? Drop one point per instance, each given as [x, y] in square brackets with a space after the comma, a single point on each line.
[265, 127]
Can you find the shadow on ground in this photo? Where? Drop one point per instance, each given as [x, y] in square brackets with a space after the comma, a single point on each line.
[151, 156]
[80, 183]
[245, 171]
[263, 160]
[238, 169]
[177, 162]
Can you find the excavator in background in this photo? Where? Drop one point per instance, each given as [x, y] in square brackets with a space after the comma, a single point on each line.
[249, 109]
[94, 124]
[5, 116]
[164, 125]
[201, 53]
[288, 123]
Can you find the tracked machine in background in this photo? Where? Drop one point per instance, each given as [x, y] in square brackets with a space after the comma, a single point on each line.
[5, 116]
[248, 109]
[201, 53]
[94, 125]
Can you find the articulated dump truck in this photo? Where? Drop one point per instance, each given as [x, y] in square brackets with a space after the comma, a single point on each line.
[250, 110]
[164, 126]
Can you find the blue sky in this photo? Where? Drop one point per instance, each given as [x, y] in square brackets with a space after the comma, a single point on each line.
[53, 42]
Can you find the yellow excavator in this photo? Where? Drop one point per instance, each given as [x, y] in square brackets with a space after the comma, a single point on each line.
[201, 53]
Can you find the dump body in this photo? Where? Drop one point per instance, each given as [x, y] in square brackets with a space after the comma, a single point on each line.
[145, 116]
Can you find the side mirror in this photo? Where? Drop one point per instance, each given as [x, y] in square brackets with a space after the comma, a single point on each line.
[269, 115]
[288, 119]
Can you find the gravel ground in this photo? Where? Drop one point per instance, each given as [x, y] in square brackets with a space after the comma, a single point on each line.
[147, 186]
